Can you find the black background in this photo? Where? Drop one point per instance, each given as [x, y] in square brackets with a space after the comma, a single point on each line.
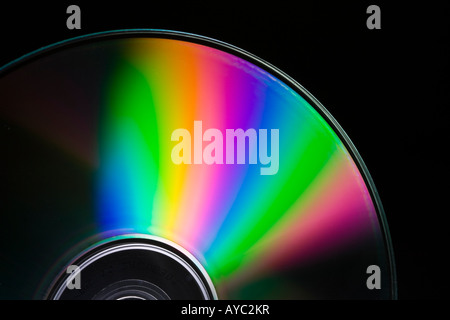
[388, 89]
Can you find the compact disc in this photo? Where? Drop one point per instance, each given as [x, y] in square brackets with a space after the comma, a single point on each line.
[163, 165]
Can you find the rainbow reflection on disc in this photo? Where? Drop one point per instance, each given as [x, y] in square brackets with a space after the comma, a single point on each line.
[188, 139]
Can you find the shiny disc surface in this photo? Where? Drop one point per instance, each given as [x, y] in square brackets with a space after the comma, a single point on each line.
[188, 139]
